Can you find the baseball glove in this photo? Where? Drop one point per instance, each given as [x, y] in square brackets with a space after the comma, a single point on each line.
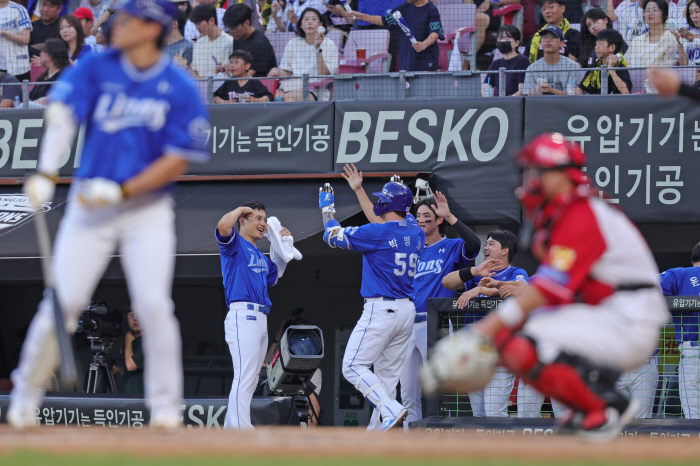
[460, 363]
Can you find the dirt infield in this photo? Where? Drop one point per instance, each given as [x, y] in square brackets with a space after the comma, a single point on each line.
[336, 442]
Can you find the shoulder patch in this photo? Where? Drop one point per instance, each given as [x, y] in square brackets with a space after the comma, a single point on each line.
[561, 257]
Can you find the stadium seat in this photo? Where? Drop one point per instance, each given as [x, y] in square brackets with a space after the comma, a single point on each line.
[638, 77]
[687, 75]
[376, 44]
[271, 85]
[510, 14]
[336, 35]
[279, 42]
[447, 2]
[456, 17]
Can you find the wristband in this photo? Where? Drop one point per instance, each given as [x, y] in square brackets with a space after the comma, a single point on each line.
[511, 314]
[465, 274]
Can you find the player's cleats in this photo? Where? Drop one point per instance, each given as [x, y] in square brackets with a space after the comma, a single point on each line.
[326, 199]
[21, 418]
[605, 425]
[391, 422]
[166, 424]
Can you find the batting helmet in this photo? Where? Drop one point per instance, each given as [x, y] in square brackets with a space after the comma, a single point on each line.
[549, 151]
[394, 197]
[162, 12]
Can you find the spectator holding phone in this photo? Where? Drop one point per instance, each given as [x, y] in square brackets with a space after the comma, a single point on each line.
[690, 37]
[213, 47]
[250, 90]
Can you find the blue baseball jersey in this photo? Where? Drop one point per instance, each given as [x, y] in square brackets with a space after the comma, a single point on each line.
[434, 263]
[509, 274]
[132, 117]
[389, 255]
[682, 281]
[247, 272]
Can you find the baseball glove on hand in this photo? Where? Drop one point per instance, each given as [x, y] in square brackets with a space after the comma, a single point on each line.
[460, 363]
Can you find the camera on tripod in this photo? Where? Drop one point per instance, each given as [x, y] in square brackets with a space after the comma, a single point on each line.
[102, 325]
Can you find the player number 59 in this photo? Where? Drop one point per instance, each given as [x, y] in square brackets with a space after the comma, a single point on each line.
[400, 260]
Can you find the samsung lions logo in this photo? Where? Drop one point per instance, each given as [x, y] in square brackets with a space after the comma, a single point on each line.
[257, 265]
[425, 268]
[114, 113]
[15, 209]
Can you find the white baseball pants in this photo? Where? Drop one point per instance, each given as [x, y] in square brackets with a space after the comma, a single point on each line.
[492, 400]
[530, 402]
[641, 383]
[144, 232]
[380, 338]
[416, 355]
[689, 379]
[246, 335]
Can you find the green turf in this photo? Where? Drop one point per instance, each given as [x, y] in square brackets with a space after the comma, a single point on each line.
[27, 458]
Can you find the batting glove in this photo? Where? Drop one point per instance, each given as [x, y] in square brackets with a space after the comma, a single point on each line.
[40, 189]
[100, 192]
[326, 200]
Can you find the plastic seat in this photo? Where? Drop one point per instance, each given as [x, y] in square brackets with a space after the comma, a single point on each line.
[279, 41]
[510, 14]
[376, 45]
[638, 77]
[456, 17]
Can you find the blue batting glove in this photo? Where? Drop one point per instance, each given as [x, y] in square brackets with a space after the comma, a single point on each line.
[325, 197]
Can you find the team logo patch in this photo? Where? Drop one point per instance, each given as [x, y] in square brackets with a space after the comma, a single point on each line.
[562, 258]
[251, 318]
[15, 209]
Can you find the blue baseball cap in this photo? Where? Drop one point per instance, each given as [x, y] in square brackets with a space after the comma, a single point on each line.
[162, 12]
[554, 30]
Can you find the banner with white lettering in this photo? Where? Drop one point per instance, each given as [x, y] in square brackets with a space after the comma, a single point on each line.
[467, 144]
[642, 150]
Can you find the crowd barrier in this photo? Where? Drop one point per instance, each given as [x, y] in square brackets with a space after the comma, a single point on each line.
[656, 383]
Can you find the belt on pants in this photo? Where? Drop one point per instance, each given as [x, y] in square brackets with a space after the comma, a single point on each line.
[255, 307]
[422, 317]
[371, 300]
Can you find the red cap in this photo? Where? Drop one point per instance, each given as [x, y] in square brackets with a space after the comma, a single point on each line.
[551, 151]
[84, 13]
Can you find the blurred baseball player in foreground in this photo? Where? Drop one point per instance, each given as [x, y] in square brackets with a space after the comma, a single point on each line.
[438, 257]
[389, 259]
[592, 311]
[144, 123]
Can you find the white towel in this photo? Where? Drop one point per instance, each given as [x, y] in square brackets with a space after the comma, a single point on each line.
[282, 248]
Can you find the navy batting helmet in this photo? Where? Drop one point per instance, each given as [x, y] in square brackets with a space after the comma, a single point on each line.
[162, 12]
[394, 197]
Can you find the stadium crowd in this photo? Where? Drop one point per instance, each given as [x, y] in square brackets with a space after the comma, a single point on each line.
[544, 45]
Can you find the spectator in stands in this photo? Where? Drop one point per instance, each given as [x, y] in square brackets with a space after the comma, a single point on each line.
[553, 12]
[607, 49]
[485, 22]
[292, 13]
[34, 8]
[551, 74]
[337, 21]
[133, 356]
[177, 47]
[87, 21]
[15, 31]
[508, 43]
[593, 21]
[230, 91]
[213, 47]
[8, 93]
[423, 19]
[191, 31]
[632, 18]
[691, 36]
[54, 56]
[96, 7]
[237, 20]
[71, 31]
[311, 53]
[45, 27]
[658, 46]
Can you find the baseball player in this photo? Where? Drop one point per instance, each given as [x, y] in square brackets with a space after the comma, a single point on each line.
[247, 273]
[685, 281]
[144, 123]
[439, 256]
[492, 401]
[389, 260]
[571, 351]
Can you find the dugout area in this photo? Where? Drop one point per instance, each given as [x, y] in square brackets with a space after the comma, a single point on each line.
[325, 283]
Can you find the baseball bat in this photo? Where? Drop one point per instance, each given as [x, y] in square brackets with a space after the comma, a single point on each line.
[68, 371]
[404, 27]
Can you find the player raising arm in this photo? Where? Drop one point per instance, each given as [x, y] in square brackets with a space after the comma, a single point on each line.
[144, 124]
[389, 259]
[575, 352]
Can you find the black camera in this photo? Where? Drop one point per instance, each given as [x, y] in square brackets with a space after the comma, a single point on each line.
[100, 321]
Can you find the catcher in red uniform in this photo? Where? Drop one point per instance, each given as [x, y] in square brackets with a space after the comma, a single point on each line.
[592, 312]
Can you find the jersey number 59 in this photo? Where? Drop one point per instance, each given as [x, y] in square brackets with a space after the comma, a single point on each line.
[400, 260]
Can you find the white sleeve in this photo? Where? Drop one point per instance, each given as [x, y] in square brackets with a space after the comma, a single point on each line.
[330, 55]
[59, 134]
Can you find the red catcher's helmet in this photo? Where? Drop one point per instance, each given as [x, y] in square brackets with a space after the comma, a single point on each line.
[549, 151]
